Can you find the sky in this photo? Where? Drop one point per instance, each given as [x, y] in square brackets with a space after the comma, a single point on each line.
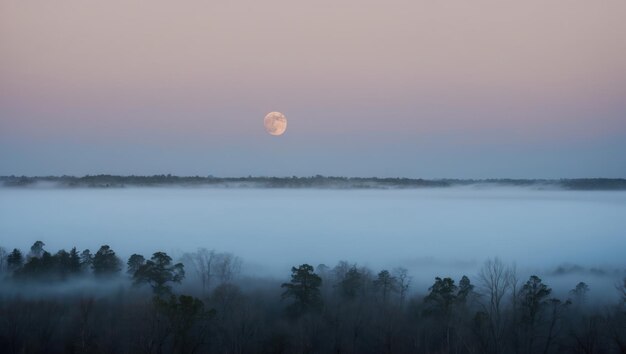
[431, 89]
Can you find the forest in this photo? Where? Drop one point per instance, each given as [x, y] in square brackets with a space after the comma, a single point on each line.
[94, 302]
[318, 181]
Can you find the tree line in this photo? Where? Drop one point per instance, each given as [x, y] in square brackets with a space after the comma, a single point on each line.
[202, 303]
[317, 181]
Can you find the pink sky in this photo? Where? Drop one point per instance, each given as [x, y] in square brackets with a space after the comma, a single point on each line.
[422, 87]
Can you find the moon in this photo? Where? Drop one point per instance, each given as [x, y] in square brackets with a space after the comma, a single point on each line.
[275, 123]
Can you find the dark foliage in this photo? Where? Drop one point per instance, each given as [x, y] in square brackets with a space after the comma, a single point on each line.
[111, 181]
[158, 272]
[105, 262]
[15, 260]
[345, 309]
[304, 290]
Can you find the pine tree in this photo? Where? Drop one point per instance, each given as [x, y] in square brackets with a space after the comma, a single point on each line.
[134, 263]
[15, 260]
[74, 261]
[105, 262]
[304, 289]
[158, 272]
[385, 284]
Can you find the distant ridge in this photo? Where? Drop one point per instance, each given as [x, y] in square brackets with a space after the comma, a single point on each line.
[113, 181]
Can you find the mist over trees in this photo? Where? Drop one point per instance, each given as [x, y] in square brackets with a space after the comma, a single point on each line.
[317, 181]
[203, 303]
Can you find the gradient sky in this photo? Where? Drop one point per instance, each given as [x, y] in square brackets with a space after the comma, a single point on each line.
[467, 89]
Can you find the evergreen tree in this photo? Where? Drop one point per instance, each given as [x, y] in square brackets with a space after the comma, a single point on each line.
[105, 262]
[134, 263]
[86, 260]
[182, 313]
[74, 261]
[36, 250]
[534, 300]
[385, 284]
[38, 267]
[158, 272]
[580, 293]
[15, 260]
[352, 283]
[61, 261]
[442, 296]
[304, 289]
[533, 296]
[440, 304]
[465, 289]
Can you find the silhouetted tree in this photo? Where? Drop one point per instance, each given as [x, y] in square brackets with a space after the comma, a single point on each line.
[557, 308]
[247, 320]
[158, 272]
[134, 263]
[201, 262]
[352, 283]
[496, 281]
[533, 297]
[61, 262]
[465, 290]
[105, 262]
[385, 284]
[404, 281]
[86, 259]
[38, 267]
[36, 250]
[440, 303]
[442, 296]
[182, 313]
[15, 260]
[304, 289]
[227, 267]
[579, 293]
[213, 268]
[74, 261]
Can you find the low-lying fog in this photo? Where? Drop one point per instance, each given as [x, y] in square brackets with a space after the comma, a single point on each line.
[431, 232]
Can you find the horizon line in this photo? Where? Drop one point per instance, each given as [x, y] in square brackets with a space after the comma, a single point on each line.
[169, 175]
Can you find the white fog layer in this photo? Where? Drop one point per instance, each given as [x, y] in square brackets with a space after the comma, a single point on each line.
[432, 232]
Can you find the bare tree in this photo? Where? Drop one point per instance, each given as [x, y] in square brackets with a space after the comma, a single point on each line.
[227, 267]
[213, 268]
[556, 321]
[496, 280]
[404, 281]
[202, 263]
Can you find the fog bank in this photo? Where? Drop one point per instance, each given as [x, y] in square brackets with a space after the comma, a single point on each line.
[444, 231]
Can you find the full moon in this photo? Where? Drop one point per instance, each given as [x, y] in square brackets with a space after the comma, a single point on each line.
[275, 123]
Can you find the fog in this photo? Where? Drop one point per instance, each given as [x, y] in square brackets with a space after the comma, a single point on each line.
[431, 232]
